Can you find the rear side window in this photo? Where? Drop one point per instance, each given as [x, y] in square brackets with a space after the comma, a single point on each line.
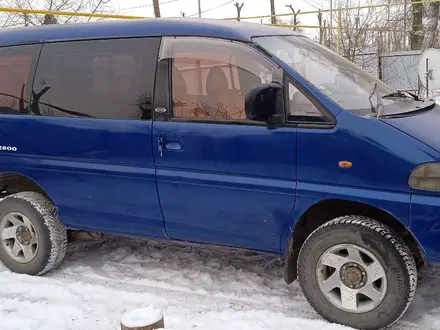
[97, 79]
[16, 71]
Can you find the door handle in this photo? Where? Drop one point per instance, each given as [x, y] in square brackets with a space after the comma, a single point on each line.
[160, 145]
[173, 145]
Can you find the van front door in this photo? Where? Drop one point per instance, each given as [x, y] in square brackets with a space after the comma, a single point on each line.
[222, 178]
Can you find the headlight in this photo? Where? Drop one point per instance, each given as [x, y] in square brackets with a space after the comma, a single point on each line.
[426, 176]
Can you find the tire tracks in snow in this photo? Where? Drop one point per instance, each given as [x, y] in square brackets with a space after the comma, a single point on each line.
[109, 264]
[300, 309]
[219, 302]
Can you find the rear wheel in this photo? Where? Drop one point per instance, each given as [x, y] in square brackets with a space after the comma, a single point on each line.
[32, 239]
[355, 271]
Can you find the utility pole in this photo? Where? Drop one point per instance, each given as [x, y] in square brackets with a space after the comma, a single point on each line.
[156, 8]
[331, 25]
[238, 6]
[200, 9]
[273, 19]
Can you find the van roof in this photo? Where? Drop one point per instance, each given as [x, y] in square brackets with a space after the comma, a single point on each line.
[241, 31]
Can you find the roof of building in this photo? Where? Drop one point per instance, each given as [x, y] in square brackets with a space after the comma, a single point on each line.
[234, 30]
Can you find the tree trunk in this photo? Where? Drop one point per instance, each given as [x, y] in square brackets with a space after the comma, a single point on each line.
[156, 8]
[142, 319]
[433, 16]
[157, 325]
[416, 37]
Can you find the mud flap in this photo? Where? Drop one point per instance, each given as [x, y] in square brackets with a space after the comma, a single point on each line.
[290, 266]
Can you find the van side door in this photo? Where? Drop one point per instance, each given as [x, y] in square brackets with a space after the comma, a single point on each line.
[86, 136]
[222, 178]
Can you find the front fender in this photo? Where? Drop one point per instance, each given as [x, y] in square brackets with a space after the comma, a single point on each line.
[396, 204]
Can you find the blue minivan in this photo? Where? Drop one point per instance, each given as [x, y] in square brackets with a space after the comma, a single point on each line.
[225, 133]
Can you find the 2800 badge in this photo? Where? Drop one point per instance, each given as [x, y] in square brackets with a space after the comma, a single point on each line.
[8, 148]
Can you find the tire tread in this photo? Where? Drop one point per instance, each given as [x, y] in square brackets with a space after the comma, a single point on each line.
[57, 231]
[386, 232]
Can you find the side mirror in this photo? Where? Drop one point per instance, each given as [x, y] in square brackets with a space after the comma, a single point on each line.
[265, 103]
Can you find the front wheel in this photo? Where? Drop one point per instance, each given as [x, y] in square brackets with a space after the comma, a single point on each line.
[355, 271]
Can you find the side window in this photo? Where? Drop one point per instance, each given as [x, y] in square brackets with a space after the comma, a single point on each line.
[98, 79]
[301, 109]
[210, 77]
[16, 66]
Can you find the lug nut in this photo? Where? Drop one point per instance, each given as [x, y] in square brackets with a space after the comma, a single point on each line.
[362, 283]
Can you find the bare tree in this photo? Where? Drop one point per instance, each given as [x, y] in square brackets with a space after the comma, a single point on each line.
[238, 6]
[295, 20]
[322, 28]
[24, 19]
[358, 28]
[431, 33]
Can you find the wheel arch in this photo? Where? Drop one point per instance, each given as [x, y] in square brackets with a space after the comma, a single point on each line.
[13, 182]
[325, 210]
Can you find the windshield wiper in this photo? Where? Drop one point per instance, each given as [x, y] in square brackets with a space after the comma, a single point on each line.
[379, 105]
[373, 109]
[426, 105]
[401, 94]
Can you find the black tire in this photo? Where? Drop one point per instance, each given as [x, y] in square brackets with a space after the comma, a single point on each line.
[379, 240]
[52, 235]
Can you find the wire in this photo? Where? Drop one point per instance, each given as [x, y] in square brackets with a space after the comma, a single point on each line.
[145, 6]
[216, 7]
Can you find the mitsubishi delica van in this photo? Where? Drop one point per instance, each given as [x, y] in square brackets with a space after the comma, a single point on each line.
[224, 133]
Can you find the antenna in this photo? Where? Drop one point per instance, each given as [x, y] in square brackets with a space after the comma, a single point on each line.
[429, 69]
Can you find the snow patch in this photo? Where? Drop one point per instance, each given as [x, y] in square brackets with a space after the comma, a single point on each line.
[195, 287]
[141, 317]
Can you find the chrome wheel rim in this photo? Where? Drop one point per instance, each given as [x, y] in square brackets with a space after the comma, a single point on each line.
[351, 278]
[19, 238]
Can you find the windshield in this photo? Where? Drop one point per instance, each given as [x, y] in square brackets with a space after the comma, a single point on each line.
[339, 79]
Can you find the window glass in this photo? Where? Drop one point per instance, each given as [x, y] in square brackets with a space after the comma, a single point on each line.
[302, 109]
[210, 78]
[99, 79]
[340, 80]
[15, 68]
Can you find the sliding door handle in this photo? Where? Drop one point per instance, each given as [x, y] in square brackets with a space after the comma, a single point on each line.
[173, 145]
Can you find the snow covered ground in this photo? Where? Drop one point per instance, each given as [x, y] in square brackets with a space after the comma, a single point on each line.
[195, 287]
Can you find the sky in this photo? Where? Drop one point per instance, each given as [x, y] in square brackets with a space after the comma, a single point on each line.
[223, 9]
